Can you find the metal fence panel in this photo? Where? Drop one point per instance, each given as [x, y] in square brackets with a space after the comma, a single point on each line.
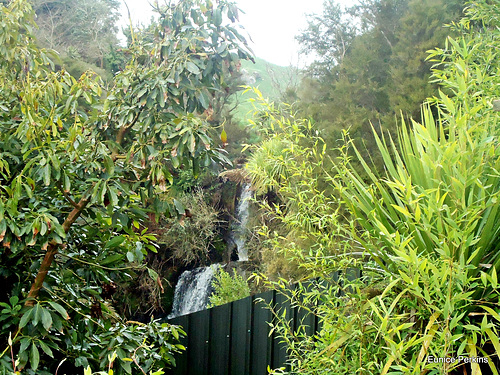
[240, 336]
[235, 339]
[198, 340]
[260, 349]
[219, 342]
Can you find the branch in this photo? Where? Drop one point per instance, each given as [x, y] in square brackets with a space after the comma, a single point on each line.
[386, 39]
[102, 267]
[132, 34]
[66, 195]
[52, 251]
[122, 131]
[75, 213]
[135, 359]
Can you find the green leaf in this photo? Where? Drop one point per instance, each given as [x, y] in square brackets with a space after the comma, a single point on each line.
[152, 273]
[111, 259]
[179, 207]
[471, 327]
[192, 143]
[46, 349]
[26, 318]
[114, 242]
[46, 175]
[56, 321]
[192, 67]
[113, 197]
[37, 314]
[494, 280]
[218, 17]
[196, 167]
[25, 342]
[34, 357]
[222, 47]
[46, 319]
[175, 162]
[14, 300]
[109, 165]
[61, 310]
[204, 100]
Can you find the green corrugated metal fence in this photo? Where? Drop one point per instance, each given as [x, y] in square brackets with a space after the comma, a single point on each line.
[235, 339]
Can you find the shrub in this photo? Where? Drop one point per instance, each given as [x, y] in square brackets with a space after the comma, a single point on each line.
[228, 288]
[189, 239]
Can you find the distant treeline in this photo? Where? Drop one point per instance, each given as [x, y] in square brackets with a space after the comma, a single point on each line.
[371, 63]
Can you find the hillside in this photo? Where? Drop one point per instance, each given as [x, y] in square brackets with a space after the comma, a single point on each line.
[272, 80]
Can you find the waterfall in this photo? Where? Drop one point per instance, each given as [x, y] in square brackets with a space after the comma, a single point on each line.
[193, 290]
[194, 287]
[238, 231]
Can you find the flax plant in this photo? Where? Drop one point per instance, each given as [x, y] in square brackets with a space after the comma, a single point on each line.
[439, 195]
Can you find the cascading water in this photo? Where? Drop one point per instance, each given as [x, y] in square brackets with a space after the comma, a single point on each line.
[194, 287]
[239, 226]
[193, 290]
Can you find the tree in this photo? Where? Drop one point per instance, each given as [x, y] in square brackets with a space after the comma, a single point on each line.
[83, 169]
[375, 67]
[329, 36]
[78, 29]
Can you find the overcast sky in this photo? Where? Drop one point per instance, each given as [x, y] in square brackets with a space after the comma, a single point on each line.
[272, 25]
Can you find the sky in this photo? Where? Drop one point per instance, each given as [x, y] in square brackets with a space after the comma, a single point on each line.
[271, 24]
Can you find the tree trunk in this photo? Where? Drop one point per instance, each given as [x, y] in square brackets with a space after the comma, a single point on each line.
[51, 252]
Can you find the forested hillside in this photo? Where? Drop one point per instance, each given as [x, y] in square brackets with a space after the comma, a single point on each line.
[83, 32]
[272, 80]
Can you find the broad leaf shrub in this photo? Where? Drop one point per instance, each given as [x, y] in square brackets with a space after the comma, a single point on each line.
[424, 232]
[84, 167]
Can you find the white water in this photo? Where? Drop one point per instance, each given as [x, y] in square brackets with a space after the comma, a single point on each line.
[193, 290]
[238, 231]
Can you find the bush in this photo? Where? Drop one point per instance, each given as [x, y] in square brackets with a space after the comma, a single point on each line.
[228, 288]
[189, 239]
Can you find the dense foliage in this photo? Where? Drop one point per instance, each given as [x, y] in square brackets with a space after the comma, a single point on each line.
[191, 238]
[84, 168]
[228, 288]
[371, 64]
[424, 232]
